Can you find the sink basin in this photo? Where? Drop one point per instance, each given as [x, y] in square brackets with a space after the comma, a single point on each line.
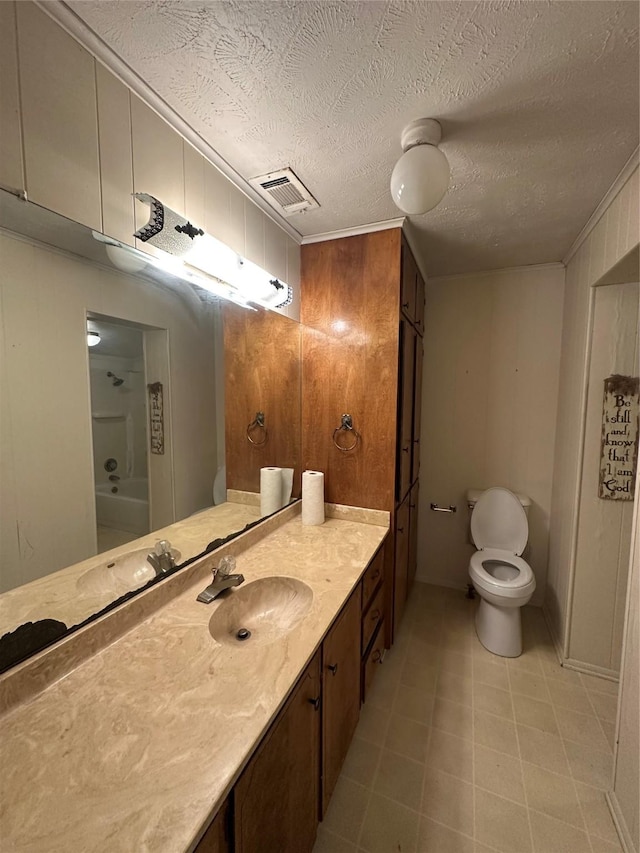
[121, 574]
[267, 608]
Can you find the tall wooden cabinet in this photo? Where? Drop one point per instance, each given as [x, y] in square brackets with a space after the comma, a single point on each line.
[362, 315]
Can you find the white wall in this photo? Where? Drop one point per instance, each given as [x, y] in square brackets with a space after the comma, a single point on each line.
[625, 798]
[46, 489]
[492, 355]
[613, 237]
[604, 526]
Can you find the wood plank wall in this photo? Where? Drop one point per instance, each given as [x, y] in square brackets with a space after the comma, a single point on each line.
[262, 374]
[349, 314]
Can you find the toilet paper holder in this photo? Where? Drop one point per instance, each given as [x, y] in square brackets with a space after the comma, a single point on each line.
[450, 508]
[257, 423]
[346, 424]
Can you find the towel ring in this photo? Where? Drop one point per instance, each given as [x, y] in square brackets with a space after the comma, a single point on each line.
[346, 424]
[257, 423]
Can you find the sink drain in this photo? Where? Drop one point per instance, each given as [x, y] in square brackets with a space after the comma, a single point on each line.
[243, 633]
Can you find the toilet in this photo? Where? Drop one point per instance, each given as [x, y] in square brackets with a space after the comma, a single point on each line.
[502, 579]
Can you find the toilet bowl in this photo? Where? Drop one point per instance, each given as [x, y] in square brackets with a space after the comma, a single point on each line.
[502, 579]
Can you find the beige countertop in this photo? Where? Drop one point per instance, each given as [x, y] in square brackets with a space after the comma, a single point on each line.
[62, 595]
[135, 748]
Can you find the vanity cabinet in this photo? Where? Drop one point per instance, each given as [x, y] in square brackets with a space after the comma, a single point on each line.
[340, 692]
[218, 838]
[372, 622]
[276, 798]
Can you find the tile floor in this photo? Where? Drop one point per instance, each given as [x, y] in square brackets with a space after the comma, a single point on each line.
[460, 751]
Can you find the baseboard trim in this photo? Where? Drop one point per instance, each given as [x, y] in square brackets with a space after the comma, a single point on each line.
[620, 823]
[591, 669]
[557, 645]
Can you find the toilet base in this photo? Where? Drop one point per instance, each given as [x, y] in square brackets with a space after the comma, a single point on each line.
[499, 629]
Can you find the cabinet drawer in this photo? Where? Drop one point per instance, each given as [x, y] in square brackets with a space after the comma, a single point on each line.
[372, 618]
[372, 578]
[371, 661]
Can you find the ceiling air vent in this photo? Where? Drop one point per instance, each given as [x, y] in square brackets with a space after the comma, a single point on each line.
[284, 191]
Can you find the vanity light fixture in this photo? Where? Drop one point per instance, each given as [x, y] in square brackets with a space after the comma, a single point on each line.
[128, 259]
[93, 338]
[420, 178]
[193, 251]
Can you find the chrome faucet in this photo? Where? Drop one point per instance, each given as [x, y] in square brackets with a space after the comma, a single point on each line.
[223, 578]
[161, 558]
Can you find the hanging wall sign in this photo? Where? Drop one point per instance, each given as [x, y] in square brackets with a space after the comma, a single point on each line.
[156, 418]
[619, 449]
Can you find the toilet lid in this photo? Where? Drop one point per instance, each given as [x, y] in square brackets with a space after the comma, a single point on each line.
[499, 521]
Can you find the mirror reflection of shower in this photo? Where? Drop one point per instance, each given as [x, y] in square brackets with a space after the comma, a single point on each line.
[116, 380]
[119, 430]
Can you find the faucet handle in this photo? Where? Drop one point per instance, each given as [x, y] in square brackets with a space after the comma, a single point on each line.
[227, 567]
[163, 546]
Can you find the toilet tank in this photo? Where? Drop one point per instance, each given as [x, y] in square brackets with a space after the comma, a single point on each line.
[472, 497]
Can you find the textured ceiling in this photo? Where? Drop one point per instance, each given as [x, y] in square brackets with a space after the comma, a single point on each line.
[538, 103]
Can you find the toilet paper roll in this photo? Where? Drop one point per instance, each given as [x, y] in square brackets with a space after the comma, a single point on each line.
[287, 485]
[270, 490]
[313, 497]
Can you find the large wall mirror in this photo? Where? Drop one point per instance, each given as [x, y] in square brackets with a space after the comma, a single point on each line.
[103, 448]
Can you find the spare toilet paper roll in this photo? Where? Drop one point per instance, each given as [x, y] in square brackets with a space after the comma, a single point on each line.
[270, 490]
[287, 486]
[313, 497]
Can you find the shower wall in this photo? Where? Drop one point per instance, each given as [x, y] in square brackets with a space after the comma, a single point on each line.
[118, 414]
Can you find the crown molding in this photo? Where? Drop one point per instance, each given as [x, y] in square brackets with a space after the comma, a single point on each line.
[609, 196]
[82, 33]
[554, 265]
[370, 228]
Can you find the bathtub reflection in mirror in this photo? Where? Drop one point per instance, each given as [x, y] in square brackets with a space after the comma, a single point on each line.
[75, 420]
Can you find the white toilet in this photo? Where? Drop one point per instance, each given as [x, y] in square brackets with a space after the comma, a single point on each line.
[502, 579]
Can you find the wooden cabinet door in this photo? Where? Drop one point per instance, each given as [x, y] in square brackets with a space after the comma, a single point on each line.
[341, 692]
[420, 297]
[405, 408]
[276, 798]
[408, 282]
[401, 562]
[414, 499]
[417, 409]
[217, 838]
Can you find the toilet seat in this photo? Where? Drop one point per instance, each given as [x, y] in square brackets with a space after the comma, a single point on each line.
[499, 521]
[507, 588]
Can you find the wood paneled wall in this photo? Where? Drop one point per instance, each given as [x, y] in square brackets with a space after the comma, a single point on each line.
[262, 374]
[349, 314]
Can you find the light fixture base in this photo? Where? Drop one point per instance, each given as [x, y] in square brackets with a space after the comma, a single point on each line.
[422, 131]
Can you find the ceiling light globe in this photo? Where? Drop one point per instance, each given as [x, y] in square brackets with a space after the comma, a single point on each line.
[420, 179]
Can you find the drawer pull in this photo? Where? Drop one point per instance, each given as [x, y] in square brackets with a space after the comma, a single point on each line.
[375, 575]
[333, 668]
[405, 449]
[316, 703]
[375, 615]
[400, 529]
[376, 656]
